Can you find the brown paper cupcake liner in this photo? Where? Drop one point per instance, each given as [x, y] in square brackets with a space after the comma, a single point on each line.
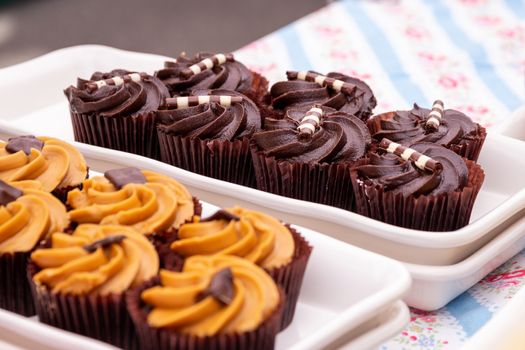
[135, 134]
[469, 147]
[328, 184]
[221, 159]
[290, 276]
[445, 212]
[15, 293]
[104, 318]
[262, 338]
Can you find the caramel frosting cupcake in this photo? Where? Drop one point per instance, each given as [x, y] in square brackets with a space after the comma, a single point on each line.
[417, 187]
[335, 90]
[256, 237]
[57, 165]
[211, 71]
[28, 215]
[147, 201]
[208, 133]
[307, 155]
[116, 110]
[446, 127]
[83, 276]
[219, 302]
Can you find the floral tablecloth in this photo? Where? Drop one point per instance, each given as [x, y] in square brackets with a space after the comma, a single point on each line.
[469, 53]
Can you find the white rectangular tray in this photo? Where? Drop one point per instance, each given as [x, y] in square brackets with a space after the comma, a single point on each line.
[346, 293]
[33, 102]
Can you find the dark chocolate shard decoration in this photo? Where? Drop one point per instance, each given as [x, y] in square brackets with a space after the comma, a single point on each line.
[123, 176]
[103, 243]
[221, 287]
[222, 214]
[24, 143]
[8, 193]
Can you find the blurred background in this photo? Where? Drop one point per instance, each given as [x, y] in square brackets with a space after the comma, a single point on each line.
[29, 28]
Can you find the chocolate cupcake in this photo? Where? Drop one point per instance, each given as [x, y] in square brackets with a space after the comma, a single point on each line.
[209, 133]
[79, 280]
[147, 201]
[308, 156]
[217, 302]
[426, 187]
[446, 127]
[116, 110]
[335, 90]
[56, 165]
[27, 215]
[212, 71]
[257, 237]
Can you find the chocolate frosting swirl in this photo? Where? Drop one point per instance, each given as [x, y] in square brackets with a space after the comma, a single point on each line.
[231, 75]
[408, 127]
[299, 94]
[129, 99]
[211, 120]
[397, 175]
[341, 137]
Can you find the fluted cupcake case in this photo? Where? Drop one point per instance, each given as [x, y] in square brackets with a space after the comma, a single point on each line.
[221, 159]
[15, 293]
[262, 338]
[105, 318]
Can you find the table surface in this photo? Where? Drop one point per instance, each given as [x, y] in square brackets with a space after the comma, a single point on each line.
[468, 53]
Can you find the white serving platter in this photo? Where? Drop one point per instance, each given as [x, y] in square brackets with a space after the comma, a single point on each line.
[33, 102]
[346, 293]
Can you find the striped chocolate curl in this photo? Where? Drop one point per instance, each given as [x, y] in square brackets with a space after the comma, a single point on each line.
[192, 101]
[420, 160]
[435, 116]
[206, 63]
[311, 120]
[117, 80]
[322, 80]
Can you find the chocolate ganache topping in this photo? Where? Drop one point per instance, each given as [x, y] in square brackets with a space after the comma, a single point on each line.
[395, 174]
[339, 137]
[230, 75]
[212, 120]
[300, 94]
[122, 96]
[408, 127]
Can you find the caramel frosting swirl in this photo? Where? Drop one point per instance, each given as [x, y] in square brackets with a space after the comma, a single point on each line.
[408, 127]
[183, 301]
[99, 259]
[340, 138]
[399, 176]
[159, 204]
[29, 218]
[55, 163]
[299, 94]
[212, 120]
[125, 100]
[252, 235]
[231, 75]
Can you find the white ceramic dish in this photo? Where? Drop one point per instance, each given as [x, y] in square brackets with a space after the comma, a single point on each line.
[435, 286]
[33, 102]
[330, 306]
[505, 331]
